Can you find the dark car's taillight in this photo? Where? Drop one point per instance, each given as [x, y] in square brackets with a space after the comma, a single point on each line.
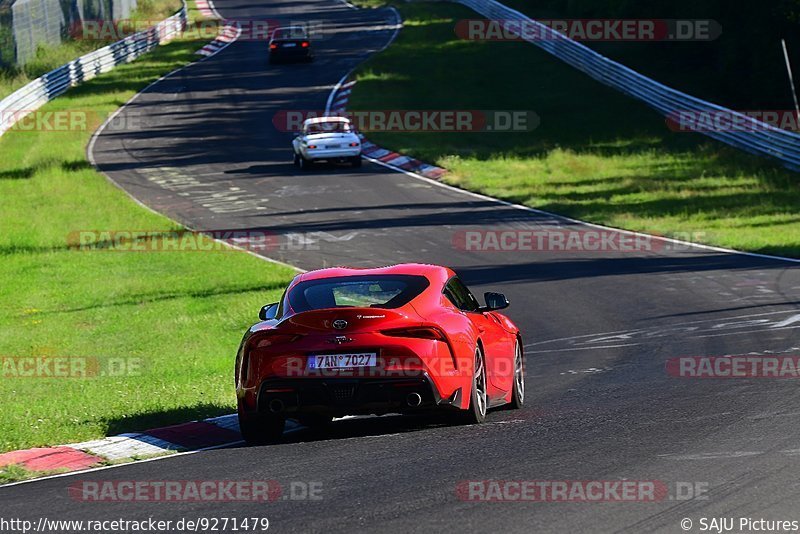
[418, 332]
[273, 46]
[305, 44]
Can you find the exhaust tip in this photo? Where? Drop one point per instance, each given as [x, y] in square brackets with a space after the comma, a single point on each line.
[276, 405]
[413, 400]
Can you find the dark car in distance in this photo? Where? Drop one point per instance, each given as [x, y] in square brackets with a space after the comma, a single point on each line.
[290, 43]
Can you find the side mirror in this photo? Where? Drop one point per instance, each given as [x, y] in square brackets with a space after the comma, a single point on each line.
[495, 301]
[268, 312]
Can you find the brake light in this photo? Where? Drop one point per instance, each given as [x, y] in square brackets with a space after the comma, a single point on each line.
[304, 44]
[417, 332]
[353, 144]
[273, 46]
[245, 367]
[277, 339]
[312, 146]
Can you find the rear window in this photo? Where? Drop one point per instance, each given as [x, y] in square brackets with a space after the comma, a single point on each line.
[290, 33]
[385, 291]
[328, 127]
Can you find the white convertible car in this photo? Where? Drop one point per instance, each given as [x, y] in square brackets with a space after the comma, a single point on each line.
[327, 138]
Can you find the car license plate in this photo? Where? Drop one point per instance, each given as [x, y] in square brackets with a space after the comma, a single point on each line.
[289, 45]
[342, 361]
[332, 146]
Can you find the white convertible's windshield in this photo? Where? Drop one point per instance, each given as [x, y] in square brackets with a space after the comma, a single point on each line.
[328, 127]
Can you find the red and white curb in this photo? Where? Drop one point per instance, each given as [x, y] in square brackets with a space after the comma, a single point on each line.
[229, 34]
[338, 105]
[207, 9]
[210, 433]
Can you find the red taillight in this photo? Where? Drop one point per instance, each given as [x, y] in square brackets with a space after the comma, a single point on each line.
[312, 146]
[273, 46]
[417, 332]
[245, 367]
[305, 44]
[353, 144]
[277, 339]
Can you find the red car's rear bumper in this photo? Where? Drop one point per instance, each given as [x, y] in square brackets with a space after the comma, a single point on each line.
[277, 378]
[344, 396]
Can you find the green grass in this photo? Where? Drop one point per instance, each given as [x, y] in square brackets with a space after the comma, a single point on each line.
[181, 314]
[373, 3]
[596, 155]
[742, 68]
[49, 57]
[16, 473]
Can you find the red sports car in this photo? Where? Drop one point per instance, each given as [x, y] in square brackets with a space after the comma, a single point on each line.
[400, 339]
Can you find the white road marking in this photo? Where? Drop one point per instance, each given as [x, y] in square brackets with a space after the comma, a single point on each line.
[773, 414]
[578, 348]
[739, 333]
[710, 455]
[787, 322]
[589, 371]
[730, 326]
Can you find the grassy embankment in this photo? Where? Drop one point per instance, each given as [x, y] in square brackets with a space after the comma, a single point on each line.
[49, 57]
[180, 315]
[596, 155]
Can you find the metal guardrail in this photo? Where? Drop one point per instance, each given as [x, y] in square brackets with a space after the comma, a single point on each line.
[750, 135]
[37, 93]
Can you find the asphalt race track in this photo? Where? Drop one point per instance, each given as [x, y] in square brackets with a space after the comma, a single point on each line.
[598, 327]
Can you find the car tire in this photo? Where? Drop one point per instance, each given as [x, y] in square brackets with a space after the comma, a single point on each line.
[296, 159]
[518, 389]
[356, 162]
[478, 398]
[303, 163]
[261, 429]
